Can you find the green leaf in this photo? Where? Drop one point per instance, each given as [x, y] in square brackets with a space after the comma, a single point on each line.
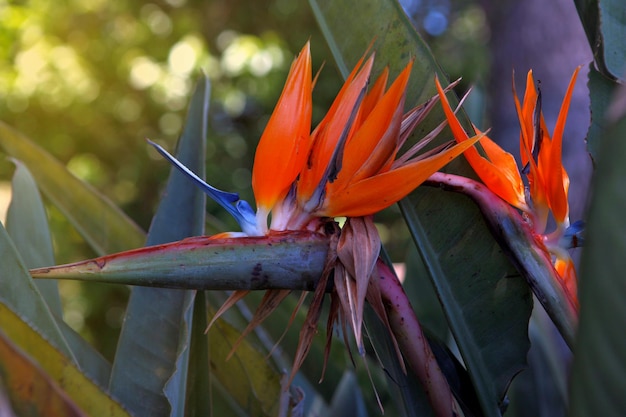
[91, 399]
[598, 384]
[348, 400]
[486, 302]
[541, 390]
[613, 28]
[19, 293]
[89, 360]
[153, 349]
[247, 376]
[604, 22]
[27, 225]
[198, 383]
[30, 389]
[105, 227]
[601, 90]
[589, 14]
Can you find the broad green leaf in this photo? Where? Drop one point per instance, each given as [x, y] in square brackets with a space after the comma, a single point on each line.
[91, 399]
[19, 293]
[541, 390]
[104, 226]
[89, 360]
[598, 384]
[27, 226]
[486, 302]
[30, 389]
[247, 376]
[604, 22]
[198, 403]
[153, 349]
[613, 27]
[589, 14]
[601, 90]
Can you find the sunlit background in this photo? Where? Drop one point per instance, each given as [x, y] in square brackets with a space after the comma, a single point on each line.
[89, 80]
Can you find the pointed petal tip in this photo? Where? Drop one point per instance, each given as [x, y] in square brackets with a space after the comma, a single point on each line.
[285, 142]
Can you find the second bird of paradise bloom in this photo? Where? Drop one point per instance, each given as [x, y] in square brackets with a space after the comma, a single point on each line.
[348, 166]
[546, 193]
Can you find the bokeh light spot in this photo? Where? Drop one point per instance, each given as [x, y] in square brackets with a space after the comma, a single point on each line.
[435, 23]
[157, 20]
[182, 58]
[144, 72]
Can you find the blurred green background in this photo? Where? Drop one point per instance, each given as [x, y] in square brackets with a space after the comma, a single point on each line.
[89, 80]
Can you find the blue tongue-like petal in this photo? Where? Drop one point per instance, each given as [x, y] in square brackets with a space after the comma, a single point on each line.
[574, 236]
[239, 209]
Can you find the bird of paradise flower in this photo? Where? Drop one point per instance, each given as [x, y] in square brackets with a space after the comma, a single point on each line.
[348, 166]
[546, 192]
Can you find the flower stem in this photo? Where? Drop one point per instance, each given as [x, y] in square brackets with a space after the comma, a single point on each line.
[413, 344]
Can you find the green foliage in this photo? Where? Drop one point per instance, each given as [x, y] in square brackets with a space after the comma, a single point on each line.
[34, 344]
[600, 360]
[165, 363]
[160, 314]
[604, 22]
[601, 90]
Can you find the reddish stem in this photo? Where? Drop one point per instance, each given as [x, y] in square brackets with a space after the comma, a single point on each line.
[413, 344]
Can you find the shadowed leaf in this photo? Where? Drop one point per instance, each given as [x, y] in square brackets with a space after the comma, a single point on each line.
[601, 90]
[597, 383]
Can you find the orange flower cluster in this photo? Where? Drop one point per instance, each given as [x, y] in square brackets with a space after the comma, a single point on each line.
[546, 192]
[349, 165]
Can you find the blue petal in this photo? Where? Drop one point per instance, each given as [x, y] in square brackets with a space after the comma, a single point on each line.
[241, 210]
[247, 220]
[574, 236]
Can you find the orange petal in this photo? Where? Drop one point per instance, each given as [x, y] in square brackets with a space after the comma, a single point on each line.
[376, 193]
[567, 274]
[503, 178]
[375, 143]
[330, 130]
[375, 93]
[557, 179]
[285, 143]
[455, 126]
[535, 181]
[525, 115]
[499, 172]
